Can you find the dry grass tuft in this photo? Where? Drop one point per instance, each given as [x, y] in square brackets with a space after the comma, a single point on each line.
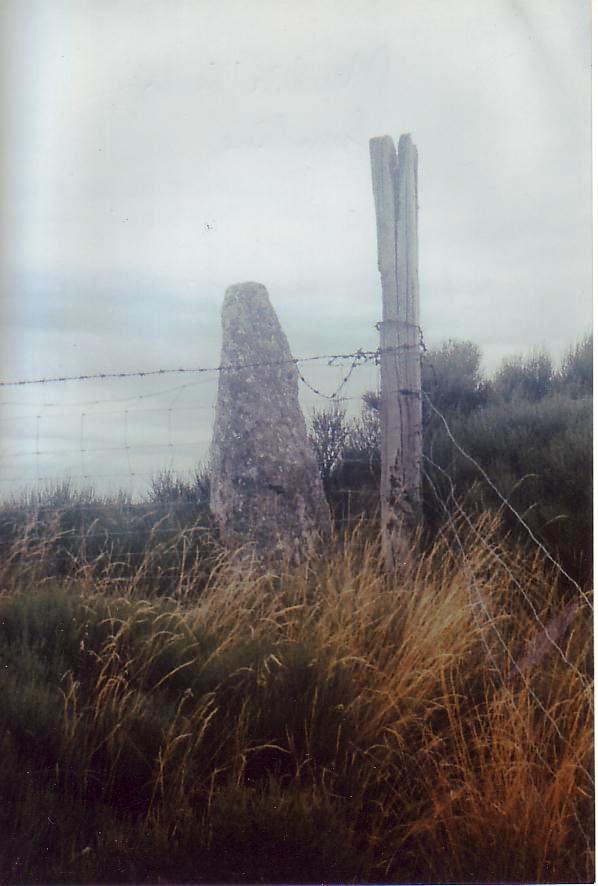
[322, 722]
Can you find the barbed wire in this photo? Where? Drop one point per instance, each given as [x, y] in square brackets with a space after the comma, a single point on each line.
[147, 508]
[91, 446]
[358, 358]
[359, 354]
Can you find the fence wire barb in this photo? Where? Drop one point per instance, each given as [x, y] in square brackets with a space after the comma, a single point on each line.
[223, 367]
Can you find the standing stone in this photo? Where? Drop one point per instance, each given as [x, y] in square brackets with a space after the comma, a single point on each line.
[266, 489]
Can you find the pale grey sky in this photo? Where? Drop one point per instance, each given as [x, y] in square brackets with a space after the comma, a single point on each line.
[156, 151]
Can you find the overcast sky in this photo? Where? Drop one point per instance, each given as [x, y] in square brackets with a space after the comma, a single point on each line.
[156, 151]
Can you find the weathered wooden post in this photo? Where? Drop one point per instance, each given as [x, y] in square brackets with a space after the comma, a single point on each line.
[394, 178]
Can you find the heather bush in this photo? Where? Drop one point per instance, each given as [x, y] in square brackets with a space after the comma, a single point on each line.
[538, 454]
[452, 377]
[575, 376]
[75, 530]
[529, 428]
[529, 378]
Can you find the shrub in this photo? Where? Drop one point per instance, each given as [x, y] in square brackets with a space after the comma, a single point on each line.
[530, 378]
[539, 455]
[168, 488]
[328, 434]
[110, 539]
[452, 377]
[530, 429]
[576, 372]
[348, 453]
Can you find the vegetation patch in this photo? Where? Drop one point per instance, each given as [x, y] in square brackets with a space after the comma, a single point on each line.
[171, 712]
[330, 723]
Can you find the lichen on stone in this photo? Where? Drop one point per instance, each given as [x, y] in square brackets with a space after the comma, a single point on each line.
[266, 490]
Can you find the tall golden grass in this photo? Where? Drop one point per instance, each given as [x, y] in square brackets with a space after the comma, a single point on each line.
[319, 722]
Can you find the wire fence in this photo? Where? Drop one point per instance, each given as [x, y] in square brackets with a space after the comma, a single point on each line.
[128, 460]
[129, 430]
[125, 454]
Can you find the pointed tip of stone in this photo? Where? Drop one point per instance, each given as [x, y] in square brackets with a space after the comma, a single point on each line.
[250, 287]
[247, 304]
[248, 293]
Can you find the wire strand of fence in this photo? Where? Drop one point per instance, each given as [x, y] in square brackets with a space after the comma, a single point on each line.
[106, 412]
[97, 401]
[146, 532]
[358, 358]
[473, 585]
[52, 478]
[506, 568]
[515, 665]
[507, 504]
[190, 407]
[113, 505]
[92, 449]
[359, 354]
[178, 390]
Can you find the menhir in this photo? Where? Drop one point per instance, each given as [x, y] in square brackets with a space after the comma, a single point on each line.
[266, 490]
